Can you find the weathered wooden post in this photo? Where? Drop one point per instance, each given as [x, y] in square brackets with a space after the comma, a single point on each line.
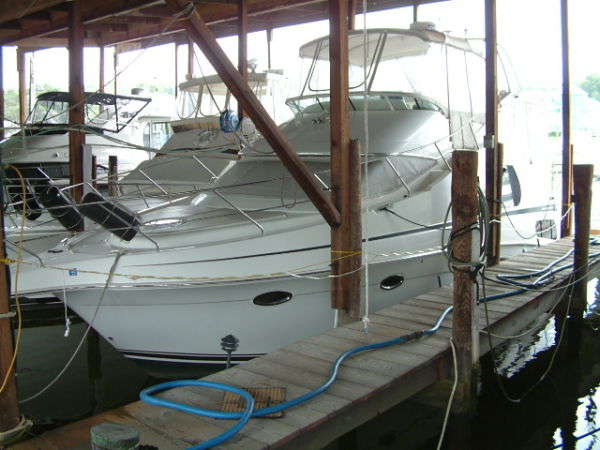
[94, 171]
[346, 239]
[493, 163]
[101, 69]
[22, 85]
[583, 175]
[113, 175]
[76, 100]
[465, 329]
[567, 149]
[9, 407]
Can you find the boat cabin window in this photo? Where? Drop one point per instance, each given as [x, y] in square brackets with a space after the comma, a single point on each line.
[156, 134]
[383, 101]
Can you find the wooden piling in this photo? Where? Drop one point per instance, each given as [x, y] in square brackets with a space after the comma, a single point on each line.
[493, 163]
[9, 407]
[346, 238]
[101, 69]
[22, 88]
[346, 244]
[494, 201]
[583, 177]
[113, 175]
[567, 149]
[94, 171]
[464, 222]
[76, 100]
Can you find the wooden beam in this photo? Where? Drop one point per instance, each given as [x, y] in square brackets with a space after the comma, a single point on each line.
[2, 113]
[203, 37]
[113, 175]
[346, 239]
[465, 331]
[492, 171]
[176, 64]
[567, 151]
[9, 406]
[76, 100]
[90, 12]
[115, 70]
[22, 85]
[107, 27]
[190, 60]
[242, 45]
[352, 5]
[269, 39]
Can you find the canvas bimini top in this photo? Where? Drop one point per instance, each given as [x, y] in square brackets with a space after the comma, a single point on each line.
[399, 43]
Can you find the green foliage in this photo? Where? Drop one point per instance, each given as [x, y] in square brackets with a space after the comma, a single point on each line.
[591, 85]
[11, 100]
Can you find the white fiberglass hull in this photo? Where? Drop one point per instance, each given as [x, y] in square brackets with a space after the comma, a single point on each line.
[185, 324]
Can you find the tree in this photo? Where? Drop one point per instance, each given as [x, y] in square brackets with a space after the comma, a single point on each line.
[591, 85]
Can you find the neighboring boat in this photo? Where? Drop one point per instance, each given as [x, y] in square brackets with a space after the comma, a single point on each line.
[43, 142]
[170, 275]
[113, 125]
[207, 137]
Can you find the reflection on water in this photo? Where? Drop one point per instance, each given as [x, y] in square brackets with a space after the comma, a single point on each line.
[562, 406]
[98, 379]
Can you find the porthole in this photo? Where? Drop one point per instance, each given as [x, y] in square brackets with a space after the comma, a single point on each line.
[272, 298]
[391, 282]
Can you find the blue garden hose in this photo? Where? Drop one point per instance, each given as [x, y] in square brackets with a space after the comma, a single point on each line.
[243, 418]
[146, 396]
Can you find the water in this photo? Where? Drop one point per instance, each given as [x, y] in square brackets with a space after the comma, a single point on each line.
[98, 379]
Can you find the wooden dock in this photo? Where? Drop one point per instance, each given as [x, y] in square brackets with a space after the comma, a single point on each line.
[368, 383]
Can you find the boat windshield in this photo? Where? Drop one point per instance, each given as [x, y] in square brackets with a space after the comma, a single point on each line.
[209, 96]
[374, 101]
[103, 112]
[418, 62]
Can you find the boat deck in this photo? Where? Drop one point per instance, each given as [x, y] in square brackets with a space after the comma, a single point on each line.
[368, 383]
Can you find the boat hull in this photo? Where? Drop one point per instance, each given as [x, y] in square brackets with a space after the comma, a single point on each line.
[185, 324]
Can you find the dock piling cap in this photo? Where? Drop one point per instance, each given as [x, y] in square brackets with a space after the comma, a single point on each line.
[114, 436]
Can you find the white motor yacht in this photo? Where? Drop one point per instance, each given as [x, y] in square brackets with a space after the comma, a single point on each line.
[167, 277]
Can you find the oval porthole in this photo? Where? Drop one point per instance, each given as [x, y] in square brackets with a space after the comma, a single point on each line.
[272, 298]
[391, 282]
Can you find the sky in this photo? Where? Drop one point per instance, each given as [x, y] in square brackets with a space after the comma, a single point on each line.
[529, 30]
